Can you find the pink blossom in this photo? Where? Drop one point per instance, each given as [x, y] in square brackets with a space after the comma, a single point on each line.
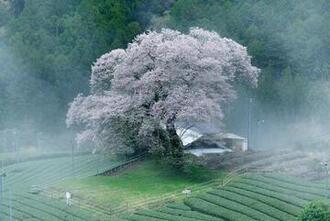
[162, 75]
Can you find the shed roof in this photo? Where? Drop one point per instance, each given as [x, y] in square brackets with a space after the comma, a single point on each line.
[188, 136]
[203, 151]
[231, 136]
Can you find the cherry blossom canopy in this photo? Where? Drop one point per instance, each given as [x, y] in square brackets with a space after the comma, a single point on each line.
[163, 78]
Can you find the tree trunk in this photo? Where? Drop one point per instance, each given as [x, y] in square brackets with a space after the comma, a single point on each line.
[176, 146]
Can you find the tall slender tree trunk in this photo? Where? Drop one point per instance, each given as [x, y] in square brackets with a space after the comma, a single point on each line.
[176, 145]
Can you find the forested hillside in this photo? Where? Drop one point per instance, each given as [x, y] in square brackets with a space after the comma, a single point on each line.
[48, 46]
[288, 40]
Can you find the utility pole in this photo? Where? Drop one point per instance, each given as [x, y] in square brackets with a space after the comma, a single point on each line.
[249, 122]
[257, 133]
[72, 158]
[37, 141]
[15, 145]
[10, 206]
[2, 175]
[325, 164]
[327, 181]
[1, 197]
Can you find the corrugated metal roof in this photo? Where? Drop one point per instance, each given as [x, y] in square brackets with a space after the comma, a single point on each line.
[188, 136]
[201, 152]
[231, 136]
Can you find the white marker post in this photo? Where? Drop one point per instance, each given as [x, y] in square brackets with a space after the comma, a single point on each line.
[187, 192]
[68, 198]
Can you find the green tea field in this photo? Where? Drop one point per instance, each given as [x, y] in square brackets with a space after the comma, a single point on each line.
[35, 190]
[250, 197]
[23, 185]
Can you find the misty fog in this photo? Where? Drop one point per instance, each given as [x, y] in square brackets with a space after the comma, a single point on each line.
[96, 94]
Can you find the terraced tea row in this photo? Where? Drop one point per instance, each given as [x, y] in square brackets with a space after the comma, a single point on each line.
[18, 202]
[29, 206]
[49, 171]
[250, 197]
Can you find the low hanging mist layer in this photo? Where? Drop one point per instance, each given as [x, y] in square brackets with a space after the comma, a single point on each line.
[47, 48]
[289, 41]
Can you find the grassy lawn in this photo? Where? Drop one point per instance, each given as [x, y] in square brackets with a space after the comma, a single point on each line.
[146, 180]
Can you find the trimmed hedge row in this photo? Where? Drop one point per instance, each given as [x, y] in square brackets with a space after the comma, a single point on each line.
[54, 208]
[17, 213]
[253, 197]
[286, 196]
[35, 212]
[50, 211]
[294, 180]
[255, 204]
[166, 216]
[179, 206]
[49, 171]
[21, 158]
[237, 207]
[214, 210]
[21, 177]
[55, 205]
[190, 214]
[285, 207]
[267, 186]
[137, 217]
[286, 185]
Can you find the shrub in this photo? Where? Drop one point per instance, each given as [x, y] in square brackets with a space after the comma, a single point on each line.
[315, 211]
[194, 170]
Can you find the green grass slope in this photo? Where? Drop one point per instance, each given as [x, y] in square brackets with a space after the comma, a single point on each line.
[145, 181]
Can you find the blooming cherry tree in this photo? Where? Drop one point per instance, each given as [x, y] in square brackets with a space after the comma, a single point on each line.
[162, 78]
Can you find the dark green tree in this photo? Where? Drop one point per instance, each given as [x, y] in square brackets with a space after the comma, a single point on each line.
[315, 211]
[16, 7]
[53, 43]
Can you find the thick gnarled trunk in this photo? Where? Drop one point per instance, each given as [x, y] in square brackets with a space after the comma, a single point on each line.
[176, 146]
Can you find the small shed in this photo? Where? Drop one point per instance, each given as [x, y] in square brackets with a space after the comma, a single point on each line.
[217, 143]
[234, 142]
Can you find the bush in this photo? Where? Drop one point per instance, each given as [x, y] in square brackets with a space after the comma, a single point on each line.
[315, 211]
[194, 170]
